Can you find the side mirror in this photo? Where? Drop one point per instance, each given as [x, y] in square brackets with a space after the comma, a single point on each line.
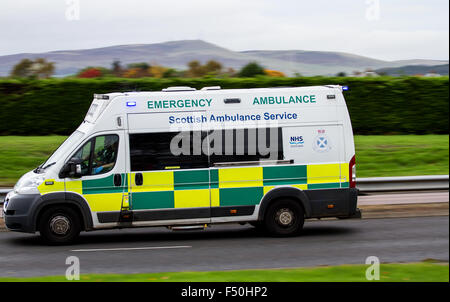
[77, 171]
[71, 169]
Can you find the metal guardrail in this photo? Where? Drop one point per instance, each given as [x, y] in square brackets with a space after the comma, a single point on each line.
[375, 184]
[3, 192]
[405, 183]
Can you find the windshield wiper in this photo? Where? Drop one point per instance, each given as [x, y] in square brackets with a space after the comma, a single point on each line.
[49, 165]
[38, 168]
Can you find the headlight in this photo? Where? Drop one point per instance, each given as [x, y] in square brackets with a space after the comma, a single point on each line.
[29, 186]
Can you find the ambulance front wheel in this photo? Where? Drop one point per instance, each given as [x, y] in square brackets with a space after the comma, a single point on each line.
[284, 218]
[59, 225]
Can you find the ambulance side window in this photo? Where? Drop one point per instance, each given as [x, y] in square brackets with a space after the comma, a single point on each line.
[105, 154]
[246, 145]
[84, 154]
[167, 151]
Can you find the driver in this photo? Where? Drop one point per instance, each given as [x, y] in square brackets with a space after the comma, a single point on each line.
[106, 157]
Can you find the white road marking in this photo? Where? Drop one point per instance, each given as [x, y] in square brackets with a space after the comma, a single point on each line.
[134, 248]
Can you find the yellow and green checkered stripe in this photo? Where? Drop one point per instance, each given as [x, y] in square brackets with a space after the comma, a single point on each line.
[101, 194]
[171, 189]
[230, 186]
[202, 187]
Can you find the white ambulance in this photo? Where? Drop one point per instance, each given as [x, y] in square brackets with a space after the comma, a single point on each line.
[186, 159]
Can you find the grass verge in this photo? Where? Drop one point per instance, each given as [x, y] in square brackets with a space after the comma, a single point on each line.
[388, 155]
[20, 154]
[410, 272]
[401, 155]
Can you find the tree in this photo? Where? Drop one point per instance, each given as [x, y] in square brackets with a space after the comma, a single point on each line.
[274, 73]
[116, 68]
[134, 73]
[93, 72]
[212, 67]
[141, 65]
[157, 71]
[90, 72]
[22, 69]
[252, 69]
[341, 74]
[196, 69]
[42, 68]
[171, 73]
[39, 68]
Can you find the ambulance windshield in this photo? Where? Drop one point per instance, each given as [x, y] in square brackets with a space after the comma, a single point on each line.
[70, 142]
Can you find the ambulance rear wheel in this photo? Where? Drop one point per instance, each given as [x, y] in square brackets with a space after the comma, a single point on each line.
[59, 225]
[284, 218]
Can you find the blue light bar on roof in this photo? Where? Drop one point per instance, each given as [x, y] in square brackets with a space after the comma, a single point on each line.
[344, 88]
[131, 104]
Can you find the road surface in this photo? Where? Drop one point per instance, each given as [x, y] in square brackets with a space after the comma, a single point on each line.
[228, 247]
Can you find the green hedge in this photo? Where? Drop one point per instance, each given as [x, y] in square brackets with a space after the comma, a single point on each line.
[382, 105]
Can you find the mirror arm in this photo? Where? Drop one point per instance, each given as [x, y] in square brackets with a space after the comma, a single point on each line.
[70, 169]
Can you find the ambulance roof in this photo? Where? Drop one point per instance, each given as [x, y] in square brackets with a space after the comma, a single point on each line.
[212, 90]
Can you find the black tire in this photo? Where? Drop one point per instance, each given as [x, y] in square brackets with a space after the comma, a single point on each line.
[59, 225]
[284, 218]
[258, 225]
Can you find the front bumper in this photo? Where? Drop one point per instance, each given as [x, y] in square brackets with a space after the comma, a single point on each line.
[18, 212]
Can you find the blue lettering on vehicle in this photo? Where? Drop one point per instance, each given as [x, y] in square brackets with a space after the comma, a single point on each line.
[237, 117]
[296, 141]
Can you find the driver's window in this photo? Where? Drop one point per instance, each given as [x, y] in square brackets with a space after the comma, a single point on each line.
[99, 159]
[83, 155]
[105, 153]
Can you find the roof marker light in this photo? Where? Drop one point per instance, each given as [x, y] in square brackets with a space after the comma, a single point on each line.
[131, 104]
[344, 88]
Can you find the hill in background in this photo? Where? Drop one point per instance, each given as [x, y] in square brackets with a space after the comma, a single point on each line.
[414, 70]
[177, 54]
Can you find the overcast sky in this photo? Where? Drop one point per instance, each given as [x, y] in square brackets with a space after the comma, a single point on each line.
[383, 29]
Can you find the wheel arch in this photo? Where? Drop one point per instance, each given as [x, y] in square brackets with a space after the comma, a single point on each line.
[284, 192]
[72, 200]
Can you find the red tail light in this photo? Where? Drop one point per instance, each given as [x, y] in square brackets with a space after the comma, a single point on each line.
[352, 172]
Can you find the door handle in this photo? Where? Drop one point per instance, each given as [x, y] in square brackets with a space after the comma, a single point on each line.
[138, 179]
[117, 180]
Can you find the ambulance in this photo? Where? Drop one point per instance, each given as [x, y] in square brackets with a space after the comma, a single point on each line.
[188, 159]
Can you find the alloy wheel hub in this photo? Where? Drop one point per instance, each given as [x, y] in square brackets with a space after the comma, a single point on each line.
[285, 217]
[60, 225]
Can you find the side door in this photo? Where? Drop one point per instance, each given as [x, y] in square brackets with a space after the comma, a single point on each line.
[237, 169]
[103, 180]
[169, 180]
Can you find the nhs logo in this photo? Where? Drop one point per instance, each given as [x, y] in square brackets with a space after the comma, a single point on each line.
[296, 141]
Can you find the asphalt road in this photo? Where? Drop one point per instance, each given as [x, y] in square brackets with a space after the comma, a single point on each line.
[230, 247]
